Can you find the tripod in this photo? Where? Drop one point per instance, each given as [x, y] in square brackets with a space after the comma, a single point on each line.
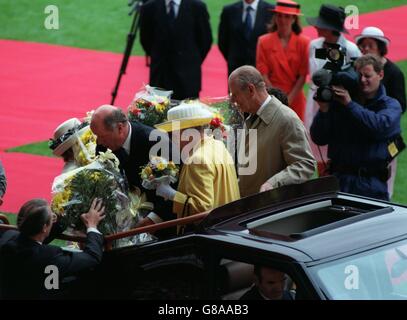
[136, 5]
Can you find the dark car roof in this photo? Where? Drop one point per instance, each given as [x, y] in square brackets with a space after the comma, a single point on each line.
[378, 222]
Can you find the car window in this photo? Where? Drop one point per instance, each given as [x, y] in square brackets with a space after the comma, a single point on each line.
[378, 274]
[240, 280]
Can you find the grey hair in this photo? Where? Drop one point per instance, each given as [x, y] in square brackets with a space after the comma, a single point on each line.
[112, 119]
[246, 75]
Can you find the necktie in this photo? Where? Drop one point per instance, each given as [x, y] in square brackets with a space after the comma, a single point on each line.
[171, 12]
[252, 119]
[248, 23]
[122, 155]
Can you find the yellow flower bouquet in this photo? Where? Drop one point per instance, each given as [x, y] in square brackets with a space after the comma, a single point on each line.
[159, 170]
[74, 191]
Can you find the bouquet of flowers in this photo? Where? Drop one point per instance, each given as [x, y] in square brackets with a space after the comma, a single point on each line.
[159, 170]
[75, 190]
[222, 108]
[150, 106]
[85, 149]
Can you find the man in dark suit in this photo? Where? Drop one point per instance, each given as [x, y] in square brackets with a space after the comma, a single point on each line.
[130, 142]
[25, 259]
[241, 23]
[176, 35]
[269, 285]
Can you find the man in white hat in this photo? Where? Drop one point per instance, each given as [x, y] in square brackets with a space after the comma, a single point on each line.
[208, 177]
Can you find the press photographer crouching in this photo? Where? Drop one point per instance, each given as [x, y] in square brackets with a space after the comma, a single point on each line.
[362, 131]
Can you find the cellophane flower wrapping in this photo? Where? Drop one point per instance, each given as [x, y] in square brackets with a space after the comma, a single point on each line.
[85, 148]
[150, 106]
[159, 170]
[226, 117]
[73, 193]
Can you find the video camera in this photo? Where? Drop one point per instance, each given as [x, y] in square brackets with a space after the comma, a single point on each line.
[337, 71]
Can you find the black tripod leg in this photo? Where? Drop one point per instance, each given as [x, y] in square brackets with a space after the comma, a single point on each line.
[127, 52]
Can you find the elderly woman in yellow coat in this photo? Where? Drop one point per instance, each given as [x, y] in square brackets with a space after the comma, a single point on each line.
[208, 177]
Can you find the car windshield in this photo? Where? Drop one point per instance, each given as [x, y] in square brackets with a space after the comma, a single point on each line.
[379, 274]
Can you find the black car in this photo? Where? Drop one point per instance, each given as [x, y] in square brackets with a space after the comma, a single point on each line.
[331, 245]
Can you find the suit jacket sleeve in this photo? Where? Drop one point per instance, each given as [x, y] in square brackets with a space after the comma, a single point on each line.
[146, 28]
[70, 263]
[223, 34]
[203, 30]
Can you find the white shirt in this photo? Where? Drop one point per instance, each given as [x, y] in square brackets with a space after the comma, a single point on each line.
[126, 144]
[177, 3]
[253, 12]
[265, 103]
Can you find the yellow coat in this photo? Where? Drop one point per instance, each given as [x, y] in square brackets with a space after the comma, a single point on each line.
[208, 178]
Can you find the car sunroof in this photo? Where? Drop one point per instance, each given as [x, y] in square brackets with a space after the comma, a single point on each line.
[310, 219]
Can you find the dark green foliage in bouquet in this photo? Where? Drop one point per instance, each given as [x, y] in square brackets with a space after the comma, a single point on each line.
[79, 192]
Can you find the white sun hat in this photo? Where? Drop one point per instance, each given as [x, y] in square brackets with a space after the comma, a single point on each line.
[372, 32]
[186, 115]
[65, 137]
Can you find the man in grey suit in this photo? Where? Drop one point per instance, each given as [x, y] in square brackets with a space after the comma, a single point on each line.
[282, 152]
[241, 23]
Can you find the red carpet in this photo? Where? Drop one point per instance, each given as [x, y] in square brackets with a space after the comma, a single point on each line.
[43, 85]
[28, 176]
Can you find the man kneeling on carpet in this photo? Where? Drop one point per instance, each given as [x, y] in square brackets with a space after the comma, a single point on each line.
[208, 177]
[25, 259]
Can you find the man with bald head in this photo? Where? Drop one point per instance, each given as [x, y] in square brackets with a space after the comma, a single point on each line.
[130, 142]
[282, 150]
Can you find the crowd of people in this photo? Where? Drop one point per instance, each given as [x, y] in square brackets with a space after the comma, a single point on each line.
[268, 61]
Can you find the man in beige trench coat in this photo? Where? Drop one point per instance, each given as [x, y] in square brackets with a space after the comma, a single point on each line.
[276, 150]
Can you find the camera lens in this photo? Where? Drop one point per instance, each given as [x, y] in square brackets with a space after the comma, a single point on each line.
[334, 54]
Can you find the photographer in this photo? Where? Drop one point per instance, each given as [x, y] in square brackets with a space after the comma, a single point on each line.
[330, 26]
[363, 136]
